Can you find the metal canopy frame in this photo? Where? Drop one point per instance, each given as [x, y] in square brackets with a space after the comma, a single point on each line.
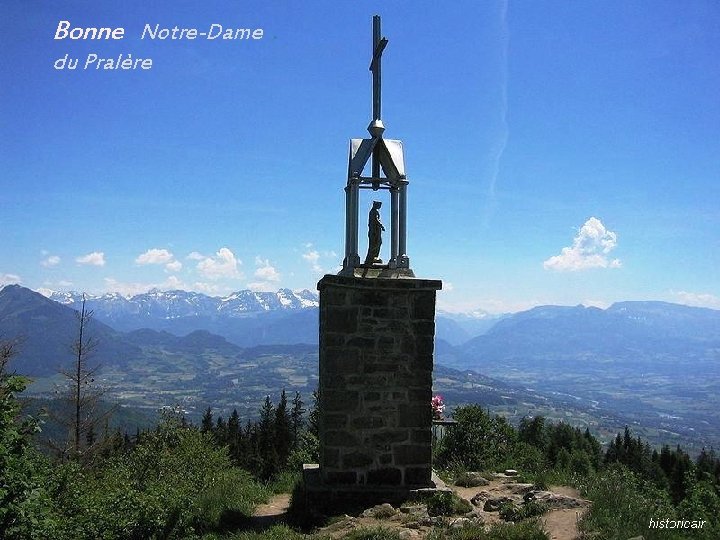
[387, 157]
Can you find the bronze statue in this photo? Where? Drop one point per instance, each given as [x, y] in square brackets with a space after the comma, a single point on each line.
[375, 227]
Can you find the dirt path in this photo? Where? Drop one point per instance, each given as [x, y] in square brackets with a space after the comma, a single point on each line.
[274, 511]
[561, 524]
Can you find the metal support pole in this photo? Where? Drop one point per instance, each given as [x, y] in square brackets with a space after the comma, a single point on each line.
[394, 226]
[354, 256]
[348, 225]
[402, 241]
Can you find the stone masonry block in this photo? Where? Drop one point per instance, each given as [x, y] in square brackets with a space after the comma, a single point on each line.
[341, 319]
[384, 477]
[368, 422]
[370, 298]
[412, 454]
[424, 328]
[335, 421]
[334, 297]
[338, 401]
[341, 477]
[417, 416]
[340, 360]
[342, 438]
[356, 460]
[421, 436]
[418, 476]
[422, 394]
[331, 458]
[424, 345]
[423, 307]
[384, 439]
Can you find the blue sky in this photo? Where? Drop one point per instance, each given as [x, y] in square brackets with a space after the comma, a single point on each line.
[558, 152]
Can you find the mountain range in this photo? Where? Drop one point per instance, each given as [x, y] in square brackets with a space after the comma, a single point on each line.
[653, 365]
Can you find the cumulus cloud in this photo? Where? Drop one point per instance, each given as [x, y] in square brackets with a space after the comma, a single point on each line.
[154, 256]
[590, 249]
[195, 256]
[313, 257]
[697, 299]
[52, 260]
[222, 265]
[96, 258]
[174, 266]
[9, 279]
[265, 271]
[266, 274]
[159, 256]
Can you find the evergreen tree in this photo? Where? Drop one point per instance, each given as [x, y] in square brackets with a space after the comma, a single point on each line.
[267, 452]
[206, 425]
[283, 430]
[296, 418]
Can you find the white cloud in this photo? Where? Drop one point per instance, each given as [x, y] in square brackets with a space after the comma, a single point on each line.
[160, 256]
[589, 249]
[195, 256]
[9, 279]
[697, 299]
[222, 265]
[208, 288]
[52, 260]
[313, 257]
[155, 256]
[268, 277]
[265, 271]
[96, 258]
[174, 266]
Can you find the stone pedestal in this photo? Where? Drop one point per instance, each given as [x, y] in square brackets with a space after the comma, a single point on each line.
[376, 362]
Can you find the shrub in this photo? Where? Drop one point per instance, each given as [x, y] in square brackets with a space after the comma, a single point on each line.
[23, 501]
[622, 505]
[175, 482]
[478, 441]
[446, 503]
[513, 512]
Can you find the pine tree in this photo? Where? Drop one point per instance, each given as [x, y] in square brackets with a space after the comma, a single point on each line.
[296, 418]
[206, 425]
[283, 430]
[268, 455]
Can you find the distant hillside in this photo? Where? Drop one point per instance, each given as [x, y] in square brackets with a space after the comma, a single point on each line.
[46, 331]
[626, 331]
[656, 363]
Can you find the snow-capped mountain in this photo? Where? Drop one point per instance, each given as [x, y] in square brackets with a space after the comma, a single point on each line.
[245, 318]
[178, 304]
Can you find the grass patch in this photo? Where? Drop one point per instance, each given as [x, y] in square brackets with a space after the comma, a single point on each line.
[230, 501]
[284, 481]
[373, 533]
[526, 530]
[276, 532]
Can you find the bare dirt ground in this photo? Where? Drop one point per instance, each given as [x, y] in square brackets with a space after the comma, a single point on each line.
[561, 523]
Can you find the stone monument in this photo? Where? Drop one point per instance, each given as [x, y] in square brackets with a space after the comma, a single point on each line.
[377, 326]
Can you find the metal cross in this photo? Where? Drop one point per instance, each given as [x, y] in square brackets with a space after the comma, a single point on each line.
[378, 47]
